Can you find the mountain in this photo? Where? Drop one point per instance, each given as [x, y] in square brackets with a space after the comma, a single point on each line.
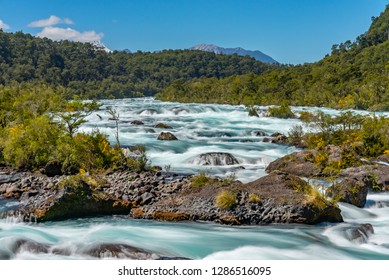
[260, 56]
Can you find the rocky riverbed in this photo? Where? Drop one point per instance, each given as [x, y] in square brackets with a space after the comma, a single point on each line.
[276, 198]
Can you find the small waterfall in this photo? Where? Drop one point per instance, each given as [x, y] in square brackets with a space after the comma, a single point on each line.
[215, 159]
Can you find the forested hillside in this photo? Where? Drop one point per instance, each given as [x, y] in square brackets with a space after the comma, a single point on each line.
[87, 71]
[355, 75]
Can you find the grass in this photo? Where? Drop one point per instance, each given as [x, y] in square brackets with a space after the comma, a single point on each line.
[225, 199]
[201, 180]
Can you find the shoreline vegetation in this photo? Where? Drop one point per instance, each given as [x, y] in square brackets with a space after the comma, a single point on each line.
[57, 172]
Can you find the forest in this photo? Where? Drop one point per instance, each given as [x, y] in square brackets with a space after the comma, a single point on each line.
[354, 76]
[87, 71]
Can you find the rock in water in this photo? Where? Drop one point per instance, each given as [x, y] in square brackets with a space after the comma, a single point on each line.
[167, 136]
[23, 245]
[137, 122]
[216, 159]
[359, 234]
[120, 251]
[163, 126]
[349, 190]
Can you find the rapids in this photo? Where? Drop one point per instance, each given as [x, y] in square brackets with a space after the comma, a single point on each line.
[202, 129]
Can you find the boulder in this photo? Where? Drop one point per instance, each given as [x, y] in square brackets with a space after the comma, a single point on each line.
[216, 159]
[163, 126]
[167, 136]
[119, 251]
[80, 198]
[259, 133]
[9, 178]
[375, 177]
[350, 191]
[23, 245]
[275, 198]
[298, 163]
[280, 139]
[359, 233]
[137, 122]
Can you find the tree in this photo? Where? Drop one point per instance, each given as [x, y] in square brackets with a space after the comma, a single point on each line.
[74, 114]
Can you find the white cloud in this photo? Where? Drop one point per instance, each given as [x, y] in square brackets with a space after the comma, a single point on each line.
[57, 34]
[68, 21]
[52, 20]
[3, 25]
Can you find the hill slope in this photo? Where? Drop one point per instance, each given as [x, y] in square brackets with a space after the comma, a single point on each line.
[88, 71]
[355, 75]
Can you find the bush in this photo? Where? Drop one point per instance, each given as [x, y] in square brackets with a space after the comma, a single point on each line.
[225, 199]
[201, 180]
[282, 112]
[296, 134]
[31, 146]
[254, 198]
[86, 151]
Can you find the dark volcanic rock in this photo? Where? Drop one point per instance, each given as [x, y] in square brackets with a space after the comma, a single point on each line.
[65, 202]
[120, 251]
[216, 159]
[350, 191]
[355, 182]
[137, 122]
[167, 136]
[298, 163]
[360, 233]
[276, 198]
[375, 177]
[259, 133]
[23, 245]
[280, 139]
[9, 178]
[163, 126]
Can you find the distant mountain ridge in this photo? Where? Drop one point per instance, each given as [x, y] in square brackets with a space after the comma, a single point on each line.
[258, 55]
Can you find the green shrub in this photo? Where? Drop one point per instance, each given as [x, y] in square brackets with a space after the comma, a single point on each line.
[296, 134]
[225, 199]
[201, 180]
[282, 112]
[252, 111]
[31, 146]
[86, 151]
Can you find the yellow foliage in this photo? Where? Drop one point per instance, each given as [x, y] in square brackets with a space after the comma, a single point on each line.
[225, 199]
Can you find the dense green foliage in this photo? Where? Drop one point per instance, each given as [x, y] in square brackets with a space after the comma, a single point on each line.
[283, 111]
[356, 136]
[84, 70]
[355, 75]
[38, 127]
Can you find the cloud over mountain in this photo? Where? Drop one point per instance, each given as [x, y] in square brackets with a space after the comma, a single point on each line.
[58, 33]
[52, 20]
[49, 30]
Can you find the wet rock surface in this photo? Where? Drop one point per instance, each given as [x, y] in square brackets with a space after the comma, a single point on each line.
[98, 250]
[167, 136]
[359, 233]
[277, 201]
[216, 159]
[168, 197]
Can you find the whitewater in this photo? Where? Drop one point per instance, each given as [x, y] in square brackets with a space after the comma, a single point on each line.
[204, 128]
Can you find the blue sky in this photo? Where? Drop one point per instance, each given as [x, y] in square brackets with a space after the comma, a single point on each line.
[291, 31]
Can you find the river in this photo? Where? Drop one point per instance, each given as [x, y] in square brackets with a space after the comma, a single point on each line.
[200, 129]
